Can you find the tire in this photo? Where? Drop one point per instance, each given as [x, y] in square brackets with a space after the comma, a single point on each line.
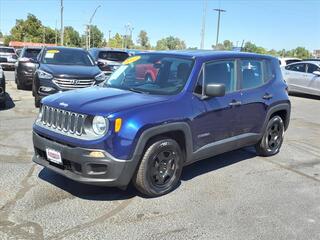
[37, 101]
[19, 87]
[272, 139]
[154, 178]
[2, 105]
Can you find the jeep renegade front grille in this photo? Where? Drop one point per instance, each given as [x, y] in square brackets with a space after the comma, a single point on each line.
[65, 83]
[63, 121]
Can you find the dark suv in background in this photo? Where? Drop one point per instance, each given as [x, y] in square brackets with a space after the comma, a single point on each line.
[108, 60]
[61, 69]
[26, 66]
[201, 103]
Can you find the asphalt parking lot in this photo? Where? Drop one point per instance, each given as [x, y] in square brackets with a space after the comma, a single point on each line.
[232, 196]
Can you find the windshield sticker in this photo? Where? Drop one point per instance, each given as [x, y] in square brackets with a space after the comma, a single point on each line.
[51, 53]
[131, 60]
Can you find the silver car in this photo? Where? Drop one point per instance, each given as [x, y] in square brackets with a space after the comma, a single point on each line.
[303, 77]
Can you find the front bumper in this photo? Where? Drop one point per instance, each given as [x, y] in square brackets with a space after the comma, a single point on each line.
[80, 167]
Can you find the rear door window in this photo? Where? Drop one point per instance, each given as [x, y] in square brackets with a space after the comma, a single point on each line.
[312, 68]
[113, 56]
[255, 72]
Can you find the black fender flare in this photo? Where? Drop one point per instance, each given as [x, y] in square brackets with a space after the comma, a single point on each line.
[279, 107]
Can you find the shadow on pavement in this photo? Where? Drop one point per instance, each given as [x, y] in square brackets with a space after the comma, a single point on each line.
[9, 103]
[217, 162]
[100, 193]
[305, 96]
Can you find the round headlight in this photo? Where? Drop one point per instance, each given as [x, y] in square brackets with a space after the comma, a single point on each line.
[99, 125]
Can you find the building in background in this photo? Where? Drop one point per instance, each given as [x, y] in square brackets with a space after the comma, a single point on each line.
[316, 53]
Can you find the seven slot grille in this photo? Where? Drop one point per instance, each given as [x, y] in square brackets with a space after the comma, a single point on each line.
[63, 121]
[65, 83]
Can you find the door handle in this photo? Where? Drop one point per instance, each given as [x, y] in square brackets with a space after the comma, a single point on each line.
[267, 96]
[234, 103]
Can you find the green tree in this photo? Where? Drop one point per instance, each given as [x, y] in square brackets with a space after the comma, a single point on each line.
[96, 36]
[251, 47]
[116, 41]
[71, 37]
[226, 45]
[143, 40]
[170, 43]
[301, 52]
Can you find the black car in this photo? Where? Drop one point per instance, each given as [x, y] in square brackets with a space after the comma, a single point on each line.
[108, 60]
[2, 89]
[61, 69]
[25, 67]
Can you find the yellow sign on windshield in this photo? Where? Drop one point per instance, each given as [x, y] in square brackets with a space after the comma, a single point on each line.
[131, 60]
[53, 51]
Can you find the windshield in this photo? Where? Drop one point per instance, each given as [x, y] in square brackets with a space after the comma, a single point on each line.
[152, 74]
[67, 56]
[31, 53]
[113, 56]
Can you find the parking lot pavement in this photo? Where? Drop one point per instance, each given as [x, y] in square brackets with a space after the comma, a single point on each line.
[232, 196]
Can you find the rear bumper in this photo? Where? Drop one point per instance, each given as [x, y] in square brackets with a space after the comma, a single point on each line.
[80, 167]
[8, 65]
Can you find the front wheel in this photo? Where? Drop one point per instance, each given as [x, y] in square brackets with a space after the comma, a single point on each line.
[160, 168]
[272, 139]
[37, 100]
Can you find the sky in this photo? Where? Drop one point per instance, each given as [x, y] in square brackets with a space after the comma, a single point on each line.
[273, 24]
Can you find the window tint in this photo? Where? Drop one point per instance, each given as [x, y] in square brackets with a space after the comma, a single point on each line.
[251, 71]
[268, 71]
[221, 72]
[299, 67]
[7, 50]
[292, 61]
[312, 68]
[113, 56]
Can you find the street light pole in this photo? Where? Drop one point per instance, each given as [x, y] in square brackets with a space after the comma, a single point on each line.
[203, 29]
[90, 21]
[218, 26]
[61, 21]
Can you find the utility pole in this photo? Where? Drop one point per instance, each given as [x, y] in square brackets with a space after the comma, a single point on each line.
[109, 34]
[218, 26]
[203, 29]
[90, 21]
[61, 21]
[56, 34]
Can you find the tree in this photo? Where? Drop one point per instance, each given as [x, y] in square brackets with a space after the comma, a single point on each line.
[251, 47]
[116, 41]
[30, 30]
[143, 40]
[301, 52]
[71, 37]
[226, 45]
[170, 43]
[96, 36]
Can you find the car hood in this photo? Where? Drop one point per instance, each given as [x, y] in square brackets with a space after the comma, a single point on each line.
[66, 71]
[100, 100]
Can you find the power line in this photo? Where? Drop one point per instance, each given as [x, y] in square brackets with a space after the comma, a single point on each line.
[218, 25]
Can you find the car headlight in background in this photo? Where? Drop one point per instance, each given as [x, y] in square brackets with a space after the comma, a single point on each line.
[100, 77]
[100, 125]
[44, 75]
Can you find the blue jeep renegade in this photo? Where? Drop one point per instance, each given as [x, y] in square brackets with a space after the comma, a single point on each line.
[200, 104]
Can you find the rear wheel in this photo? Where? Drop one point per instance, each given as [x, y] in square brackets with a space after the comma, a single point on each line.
[160, 168]
[272, 139]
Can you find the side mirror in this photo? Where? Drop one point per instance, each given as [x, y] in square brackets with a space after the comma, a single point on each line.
[215, 90]
[317, 73]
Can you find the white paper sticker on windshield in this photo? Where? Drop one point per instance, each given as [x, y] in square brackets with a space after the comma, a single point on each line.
[49, 55]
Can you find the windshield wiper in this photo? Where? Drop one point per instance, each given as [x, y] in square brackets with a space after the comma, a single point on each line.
[137, 90]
